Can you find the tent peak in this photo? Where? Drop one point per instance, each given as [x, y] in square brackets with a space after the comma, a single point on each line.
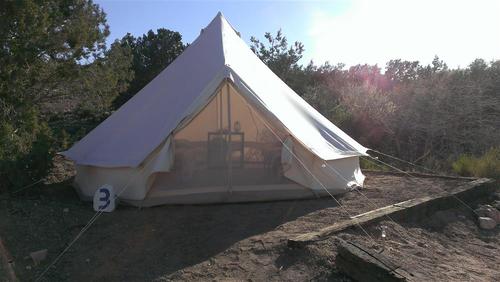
[219, 20]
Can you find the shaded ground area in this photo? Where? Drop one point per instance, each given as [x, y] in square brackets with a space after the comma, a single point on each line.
[237, 241]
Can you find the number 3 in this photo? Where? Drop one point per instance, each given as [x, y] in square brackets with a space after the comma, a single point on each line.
[105, 198]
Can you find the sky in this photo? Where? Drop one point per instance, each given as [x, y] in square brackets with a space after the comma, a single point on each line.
[337, 31]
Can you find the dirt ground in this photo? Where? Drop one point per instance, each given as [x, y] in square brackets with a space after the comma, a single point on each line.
[239, 241]
[448, 246]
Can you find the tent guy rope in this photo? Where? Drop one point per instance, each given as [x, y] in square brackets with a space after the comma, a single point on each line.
[369, 200]
[86, 227]
[416, 178]
[309, 171]
[404, 161]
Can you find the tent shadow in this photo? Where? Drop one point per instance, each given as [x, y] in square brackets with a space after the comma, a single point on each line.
[155, 242]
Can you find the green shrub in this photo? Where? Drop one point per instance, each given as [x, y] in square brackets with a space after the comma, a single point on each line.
[372, 165]
[488, 165]
[464, 165]
[25, 153]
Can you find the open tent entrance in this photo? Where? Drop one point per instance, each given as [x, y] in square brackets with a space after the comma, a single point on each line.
[224, 146]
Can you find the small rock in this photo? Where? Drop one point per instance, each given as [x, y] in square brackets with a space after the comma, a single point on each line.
[28, 267]
[487, 223]
[496, 204]
[495, 214]
[422, 244]
[39, 256]
[483, 208]
[87, 260]
[65, 210]
[488, 211]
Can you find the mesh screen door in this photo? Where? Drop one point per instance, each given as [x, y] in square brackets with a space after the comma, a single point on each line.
[226, 144]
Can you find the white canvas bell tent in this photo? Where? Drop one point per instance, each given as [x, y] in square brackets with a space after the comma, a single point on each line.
[217, 125]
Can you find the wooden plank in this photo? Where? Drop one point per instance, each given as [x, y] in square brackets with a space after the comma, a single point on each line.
[410, 209]
[418, 174]
[7, 262]
[363, 264]
[342, 225]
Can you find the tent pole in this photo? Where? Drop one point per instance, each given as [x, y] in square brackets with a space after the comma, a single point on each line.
[230, 147]
[221, 124]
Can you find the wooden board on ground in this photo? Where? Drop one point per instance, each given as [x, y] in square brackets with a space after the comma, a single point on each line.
[6, 262]
[418, 174]
[411, 209]
[363, 264]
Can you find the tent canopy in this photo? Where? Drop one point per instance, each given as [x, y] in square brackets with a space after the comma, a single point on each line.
[128, 136]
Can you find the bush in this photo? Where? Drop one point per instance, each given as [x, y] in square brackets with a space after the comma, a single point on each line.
[26, 154]
[464, 165]
[372, 164]
[488, 165]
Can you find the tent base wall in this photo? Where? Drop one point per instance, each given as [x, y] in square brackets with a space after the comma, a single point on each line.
[221, 194]
[140, 187]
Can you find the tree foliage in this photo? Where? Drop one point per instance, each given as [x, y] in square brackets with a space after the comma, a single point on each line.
[428, 114]
[50, 51]
[282, 59]
[152, 53]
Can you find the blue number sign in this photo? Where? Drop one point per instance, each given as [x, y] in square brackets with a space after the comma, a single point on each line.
[104, 199]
